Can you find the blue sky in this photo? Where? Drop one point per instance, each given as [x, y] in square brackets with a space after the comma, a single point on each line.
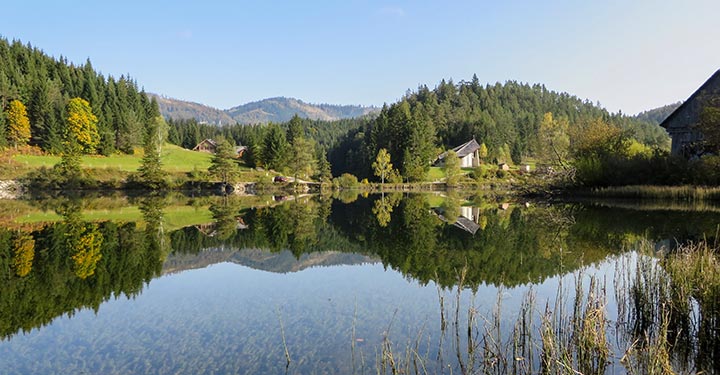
[628, 55]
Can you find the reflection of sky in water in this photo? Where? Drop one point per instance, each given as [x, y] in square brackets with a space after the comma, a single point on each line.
[225, 319]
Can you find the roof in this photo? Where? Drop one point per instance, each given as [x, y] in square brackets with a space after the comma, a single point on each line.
[464, 149]
[466, 224]
[207, 140]
[714, 79]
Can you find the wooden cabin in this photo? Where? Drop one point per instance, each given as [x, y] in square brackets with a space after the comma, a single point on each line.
[207, 145]
[682, 123]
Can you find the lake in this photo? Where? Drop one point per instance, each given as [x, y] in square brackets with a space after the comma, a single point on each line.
[386, 283]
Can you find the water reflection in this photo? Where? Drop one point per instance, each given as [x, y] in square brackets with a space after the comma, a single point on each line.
[56, 268]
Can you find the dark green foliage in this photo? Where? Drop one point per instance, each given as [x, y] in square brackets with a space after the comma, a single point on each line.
[151, 174]
[46, 84]
[224, 165]
[275, 148]
[505, 117]
[128, 259]
[323, 172]
[657, 115]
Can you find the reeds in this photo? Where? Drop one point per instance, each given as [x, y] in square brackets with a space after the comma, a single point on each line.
[686, 193]
[668, 319]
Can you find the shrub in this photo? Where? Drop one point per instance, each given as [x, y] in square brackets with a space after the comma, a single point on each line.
[346, 181]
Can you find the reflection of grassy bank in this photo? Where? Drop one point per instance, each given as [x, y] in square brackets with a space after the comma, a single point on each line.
[178, 213]
[175, 217]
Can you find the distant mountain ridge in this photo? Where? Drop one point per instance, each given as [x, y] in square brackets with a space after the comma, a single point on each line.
[184, 110]
[279, 109]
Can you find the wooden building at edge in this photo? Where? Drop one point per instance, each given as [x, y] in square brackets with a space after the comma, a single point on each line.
[682, 123]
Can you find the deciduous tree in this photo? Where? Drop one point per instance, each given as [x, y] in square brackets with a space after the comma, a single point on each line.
[18, 124]
[82, 125]
[302, 161]
[554, 143]
[382, 165]
[452, 168]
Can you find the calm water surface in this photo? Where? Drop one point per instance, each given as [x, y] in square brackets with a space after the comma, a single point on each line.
[333, 285]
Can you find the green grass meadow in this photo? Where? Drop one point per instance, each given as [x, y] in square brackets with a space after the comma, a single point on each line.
[174, 159]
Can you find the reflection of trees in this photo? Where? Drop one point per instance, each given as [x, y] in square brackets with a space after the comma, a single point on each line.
[81, 238]
[24, 252]
[86, 240]
[156, 241]
[451, 207]
[76, 264]
[225, 217]
[384, 207]
[293, 225]
[511, 246]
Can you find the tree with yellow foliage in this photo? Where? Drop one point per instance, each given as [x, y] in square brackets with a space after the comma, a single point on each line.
[554, 142]
[82, 125]
[24, 254]
[18, 131]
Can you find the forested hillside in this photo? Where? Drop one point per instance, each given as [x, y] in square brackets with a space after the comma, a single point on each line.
[507, 118]
[657, 115]
[43, 86]
[283, 109]
[184, 110]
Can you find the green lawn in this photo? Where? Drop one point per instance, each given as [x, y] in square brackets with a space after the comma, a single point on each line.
[174, 159]
[435, 174]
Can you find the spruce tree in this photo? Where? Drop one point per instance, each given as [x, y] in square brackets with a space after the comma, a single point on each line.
[152, 175]
[223, 165]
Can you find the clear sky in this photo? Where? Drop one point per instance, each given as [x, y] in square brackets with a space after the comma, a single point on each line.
[629, 55]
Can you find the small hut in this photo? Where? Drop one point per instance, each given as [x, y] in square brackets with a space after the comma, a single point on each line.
[207, 145]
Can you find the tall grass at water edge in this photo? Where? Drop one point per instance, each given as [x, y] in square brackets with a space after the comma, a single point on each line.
[667, 322]
[670, 193]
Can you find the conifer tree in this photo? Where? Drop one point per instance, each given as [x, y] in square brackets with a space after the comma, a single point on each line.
[223, 165]
[275, 147]
[151, 172]
[295, 129]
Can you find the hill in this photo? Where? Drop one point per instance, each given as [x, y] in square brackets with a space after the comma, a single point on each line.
[184, 110]
[282, 109]
[657, 115]
[506, 117]
[278, 109]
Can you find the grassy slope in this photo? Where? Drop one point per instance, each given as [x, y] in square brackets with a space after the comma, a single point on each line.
[174, 159]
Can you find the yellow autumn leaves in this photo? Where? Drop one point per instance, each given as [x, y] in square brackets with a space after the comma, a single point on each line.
[18, 130]
[82, 125]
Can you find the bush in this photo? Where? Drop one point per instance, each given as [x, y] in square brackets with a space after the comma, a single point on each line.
[346, 181]
[500, 173]
[395, 177]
